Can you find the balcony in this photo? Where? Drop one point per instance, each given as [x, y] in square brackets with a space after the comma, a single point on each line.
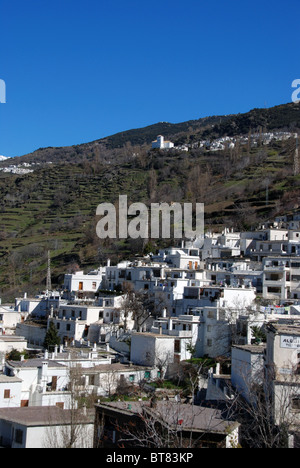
[178, 333]
[280, 268]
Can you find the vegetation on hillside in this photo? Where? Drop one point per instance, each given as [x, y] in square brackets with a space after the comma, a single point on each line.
[54, 207]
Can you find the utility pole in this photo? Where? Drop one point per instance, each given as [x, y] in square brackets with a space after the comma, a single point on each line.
[296, 156]
[267, 191]
[48, 284]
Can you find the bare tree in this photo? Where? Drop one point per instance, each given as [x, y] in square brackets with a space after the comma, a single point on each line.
[71, 429]
[171, 424]
[265, 408]
[134, 306]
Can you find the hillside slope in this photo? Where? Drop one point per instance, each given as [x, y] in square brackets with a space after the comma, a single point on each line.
[54, 207]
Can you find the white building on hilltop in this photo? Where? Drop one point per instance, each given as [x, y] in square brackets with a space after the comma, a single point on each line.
[161, 143]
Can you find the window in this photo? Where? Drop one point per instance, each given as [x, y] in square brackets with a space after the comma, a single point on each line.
[274, 290]
[6, 394]
[92, 379]
[298, 364]
[19, 436]
[209, 343]
[94, 285]
[177, 346]
[147, 375]
[68, 327]
[296, 403]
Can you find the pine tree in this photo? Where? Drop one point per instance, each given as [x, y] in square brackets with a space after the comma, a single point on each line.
[52, 338]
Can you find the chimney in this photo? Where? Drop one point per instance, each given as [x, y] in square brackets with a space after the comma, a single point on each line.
[44, 372]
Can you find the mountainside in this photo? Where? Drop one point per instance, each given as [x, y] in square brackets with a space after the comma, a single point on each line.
[48, 199]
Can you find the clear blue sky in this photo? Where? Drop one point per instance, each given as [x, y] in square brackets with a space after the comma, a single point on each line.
[79, 70]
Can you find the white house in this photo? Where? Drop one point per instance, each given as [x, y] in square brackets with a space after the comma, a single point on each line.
[9, 319]
[152, 350]
[72, 321]
[247, 364]
[218, 308]
[44, 382]
[80, 283]
[281, 278]
[43, 427]
[9, 342]
[10, 391]
[184, 329]
[103, 380]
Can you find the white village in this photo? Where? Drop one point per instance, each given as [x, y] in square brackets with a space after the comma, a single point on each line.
[179, 336]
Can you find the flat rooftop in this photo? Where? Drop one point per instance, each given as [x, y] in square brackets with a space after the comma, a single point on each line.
[178, 415]
[43, 416]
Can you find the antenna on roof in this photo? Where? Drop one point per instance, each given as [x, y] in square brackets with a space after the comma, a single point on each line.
[48, 283]
[296, 156]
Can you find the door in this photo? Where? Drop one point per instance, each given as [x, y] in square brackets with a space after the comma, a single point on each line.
[54, 384]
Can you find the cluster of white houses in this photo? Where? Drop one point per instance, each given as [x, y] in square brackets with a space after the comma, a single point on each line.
[220, 144]
[204, 298]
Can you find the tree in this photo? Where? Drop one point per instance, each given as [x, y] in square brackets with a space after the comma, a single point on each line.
[52, 338]
[169, 424]
[73, 429]
[15, 355]
[263, 407]
[135, 307]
